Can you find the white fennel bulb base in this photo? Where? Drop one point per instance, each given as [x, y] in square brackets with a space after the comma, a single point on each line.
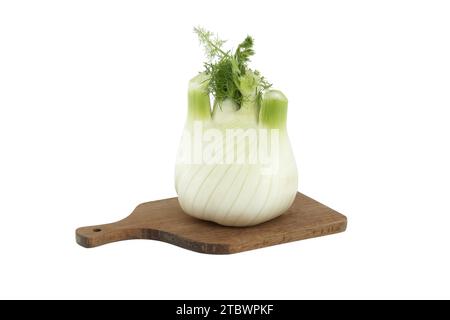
[233, 170]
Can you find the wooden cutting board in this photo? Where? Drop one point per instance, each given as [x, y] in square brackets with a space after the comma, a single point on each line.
[164, 220]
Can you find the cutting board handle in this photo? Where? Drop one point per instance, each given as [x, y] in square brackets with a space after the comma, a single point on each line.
[97, 235]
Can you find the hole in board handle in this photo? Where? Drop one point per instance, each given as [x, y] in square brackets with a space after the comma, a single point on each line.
[97, 230]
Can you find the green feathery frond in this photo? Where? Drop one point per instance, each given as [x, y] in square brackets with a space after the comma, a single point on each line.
[229, 74]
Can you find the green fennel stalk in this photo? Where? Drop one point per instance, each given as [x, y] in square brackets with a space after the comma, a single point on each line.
[227, 76]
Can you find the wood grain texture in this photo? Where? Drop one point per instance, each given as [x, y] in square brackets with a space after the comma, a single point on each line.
[164, 220]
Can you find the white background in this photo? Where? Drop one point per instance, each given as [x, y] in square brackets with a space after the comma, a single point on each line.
[92, 104]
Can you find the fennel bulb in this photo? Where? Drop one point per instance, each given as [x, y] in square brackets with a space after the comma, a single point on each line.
[235, 164]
